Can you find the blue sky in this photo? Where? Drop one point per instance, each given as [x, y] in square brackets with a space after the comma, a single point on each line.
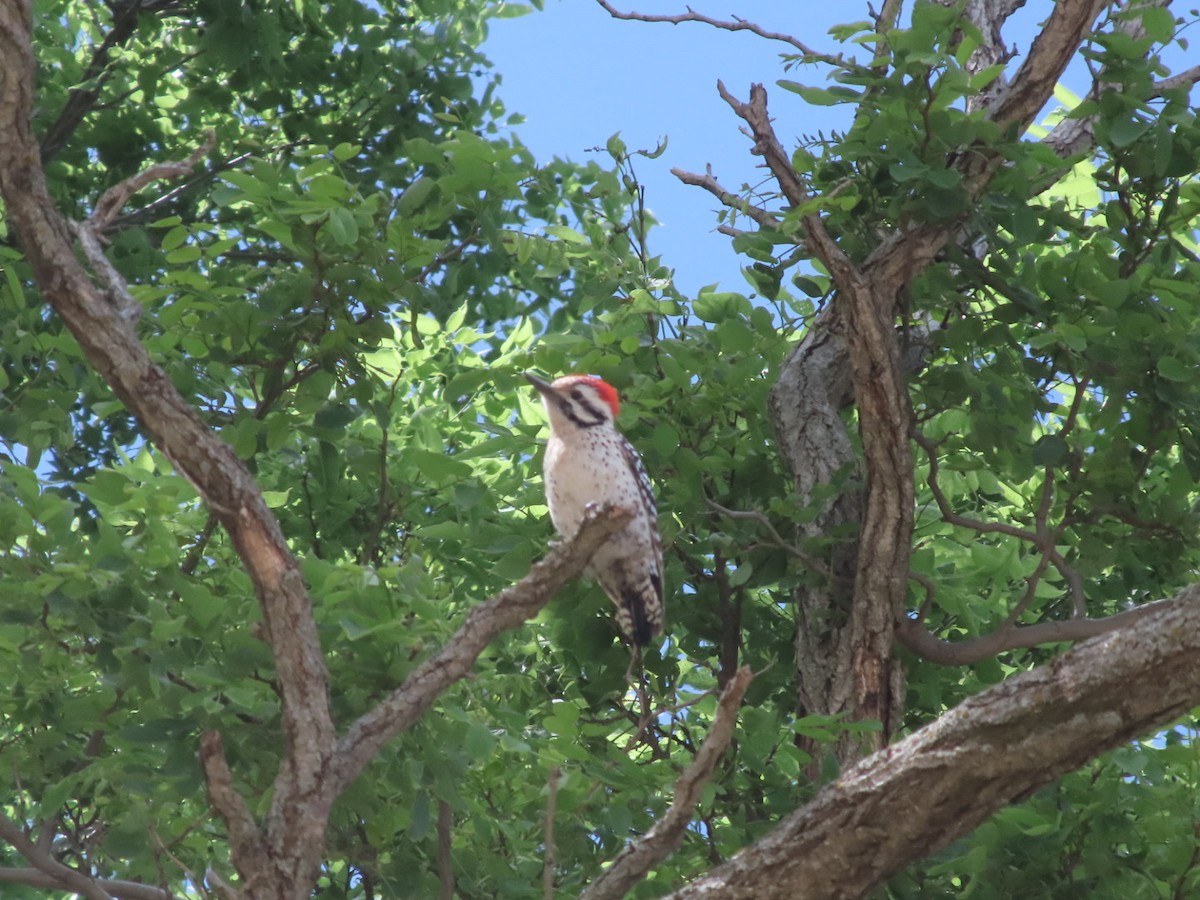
[579, 75]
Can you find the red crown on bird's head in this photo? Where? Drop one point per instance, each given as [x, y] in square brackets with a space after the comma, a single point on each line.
[607, 392]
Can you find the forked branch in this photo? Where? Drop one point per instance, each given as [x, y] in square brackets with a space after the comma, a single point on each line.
[51, 875]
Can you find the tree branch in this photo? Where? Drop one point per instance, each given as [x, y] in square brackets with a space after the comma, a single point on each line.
[245, 841]
[736, 25]
[1011, 636]
[1075, 135]
[498, 613]
[638, 857]
[1042, 538]
[727, 197]
[296, 822]
[82, 98]
[918, 795]
[114, 199]
[64, 877]
[767, 145]
[1052, 49]
[114, 888]
[1186, 78]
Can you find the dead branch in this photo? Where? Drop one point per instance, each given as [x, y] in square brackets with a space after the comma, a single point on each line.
[735, 25]
[638, 857]
[791, 184]
[727, 197]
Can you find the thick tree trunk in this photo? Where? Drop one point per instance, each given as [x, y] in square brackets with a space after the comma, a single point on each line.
[844, 659]
[806, 406]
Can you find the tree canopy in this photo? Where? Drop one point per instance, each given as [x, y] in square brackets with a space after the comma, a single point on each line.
[282, 616]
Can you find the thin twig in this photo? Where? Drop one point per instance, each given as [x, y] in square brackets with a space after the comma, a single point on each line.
[115, 198]
[817, 565]
[735, 25]
[947, 511]
[196, 883]
[638, 857]
[930, 593]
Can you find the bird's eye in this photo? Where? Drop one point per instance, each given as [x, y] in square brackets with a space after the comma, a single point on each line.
[577, 395]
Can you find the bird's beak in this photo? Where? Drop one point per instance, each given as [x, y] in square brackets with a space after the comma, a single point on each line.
[542, 386]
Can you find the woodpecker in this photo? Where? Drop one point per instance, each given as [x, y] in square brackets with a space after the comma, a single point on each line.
[589, 461]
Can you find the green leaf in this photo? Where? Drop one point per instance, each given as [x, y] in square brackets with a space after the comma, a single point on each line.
[16, 292]
[1050, 450]
[275, 499]
[343, 226]
[335, 416]
[1125, 132]
[741, 575]
[479, 742]
[717, 306]
[415, 195]
[821, 96]
[1170, 368]
[563, 233]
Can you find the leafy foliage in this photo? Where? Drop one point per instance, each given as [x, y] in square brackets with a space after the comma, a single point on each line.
[349, 293]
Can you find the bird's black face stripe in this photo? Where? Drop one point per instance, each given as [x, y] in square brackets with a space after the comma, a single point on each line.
[581, 411]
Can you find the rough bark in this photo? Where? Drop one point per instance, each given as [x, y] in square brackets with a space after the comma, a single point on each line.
[99, 320]
[816, 446]
[910, 799]
[279, 857]
[846, 623]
